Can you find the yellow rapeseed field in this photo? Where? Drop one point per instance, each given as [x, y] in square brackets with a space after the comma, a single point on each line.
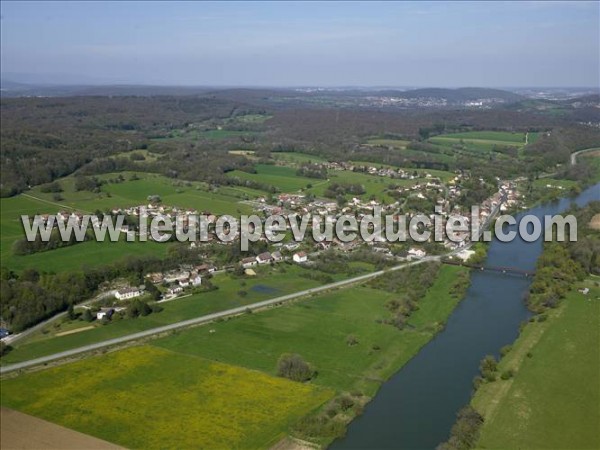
[147, 397]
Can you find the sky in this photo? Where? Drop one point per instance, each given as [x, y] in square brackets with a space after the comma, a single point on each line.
[445, 44]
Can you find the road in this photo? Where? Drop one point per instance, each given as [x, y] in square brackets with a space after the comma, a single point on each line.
[207, 318]
[236, 311]
[576, 154]
[12, 338]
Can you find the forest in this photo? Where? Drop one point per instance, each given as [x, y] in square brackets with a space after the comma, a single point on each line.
[44, 139]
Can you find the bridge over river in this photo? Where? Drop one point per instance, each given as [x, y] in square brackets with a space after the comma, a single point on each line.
[499, 269]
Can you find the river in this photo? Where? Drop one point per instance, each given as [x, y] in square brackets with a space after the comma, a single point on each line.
[417, 407]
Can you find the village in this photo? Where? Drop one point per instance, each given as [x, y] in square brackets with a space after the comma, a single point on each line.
[425, 186]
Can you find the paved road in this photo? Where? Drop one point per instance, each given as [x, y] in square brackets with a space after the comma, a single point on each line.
[576, 154]
[12, 338]
[238, 310]
[207, 318]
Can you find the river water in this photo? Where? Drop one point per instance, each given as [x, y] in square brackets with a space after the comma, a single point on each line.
[417, 407]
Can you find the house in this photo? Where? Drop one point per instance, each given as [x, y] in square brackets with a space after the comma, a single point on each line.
[184, 282]
[277, 256]
[174, 290]
[249, 262]
[416, 253]
[584, 291]
[155, 277]
[300, 257]
[264, 258]
[127, 293]
[250, 272]
[202, 268]
[105, 313]
[196, 281]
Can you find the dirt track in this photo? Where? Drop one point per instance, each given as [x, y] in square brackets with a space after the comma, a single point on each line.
[25, 432]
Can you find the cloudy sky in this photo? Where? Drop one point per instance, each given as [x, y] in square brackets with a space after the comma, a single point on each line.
[304, 44]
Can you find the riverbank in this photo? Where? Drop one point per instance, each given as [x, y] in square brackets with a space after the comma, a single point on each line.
[417, 407]
[545, 391]
[551, 398]
[347, 336]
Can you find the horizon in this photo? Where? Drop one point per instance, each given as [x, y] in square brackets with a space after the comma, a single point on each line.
[295, 45]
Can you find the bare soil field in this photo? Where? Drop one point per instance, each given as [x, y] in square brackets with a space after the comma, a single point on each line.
[25, 432]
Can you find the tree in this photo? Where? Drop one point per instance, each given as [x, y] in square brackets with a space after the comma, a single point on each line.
[71, 312]
[152, 290]
[293, 367]
[87, 315]
[4, 349]
[351, 340]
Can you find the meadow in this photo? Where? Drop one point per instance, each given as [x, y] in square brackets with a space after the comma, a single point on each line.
[113, 194]
[282, 177]
[296, 157]
[131, 398]
[480, 143]
[563, 411]
[268, 283]
[318, 329]
[498, 136]
[394, 143]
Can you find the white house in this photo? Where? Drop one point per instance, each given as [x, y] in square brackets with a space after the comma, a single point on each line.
[184, 282]
[105, 312]
[300, 257]
[127, 293]
[264, 258]
[249, 262]
[174, 290]
[196, 281]
[417, 252]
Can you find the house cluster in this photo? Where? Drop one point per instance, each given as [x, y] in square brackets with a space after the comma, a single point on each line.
[63, 216]
[263, 258]
[185, 277]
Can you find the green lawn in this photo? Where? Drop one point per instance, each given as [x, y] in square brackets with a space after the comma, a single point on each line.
[554, 399]
[146, 397]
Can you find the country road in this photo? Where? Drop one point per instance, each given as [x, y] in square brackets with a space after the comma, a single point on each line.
[11, 339]
[576, 154]
[208, 317]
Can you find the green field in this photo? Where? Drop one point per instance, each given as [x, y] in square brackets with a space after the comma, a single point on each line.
[474, 143]
[592, 160]
[269, 283]
[317, 329]
[283, 178]
[194, 134]
[394, 143]
[212, 374]
[113, 195]
[296, 157]
[146, 397]
[497, 136]
[553, 401]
